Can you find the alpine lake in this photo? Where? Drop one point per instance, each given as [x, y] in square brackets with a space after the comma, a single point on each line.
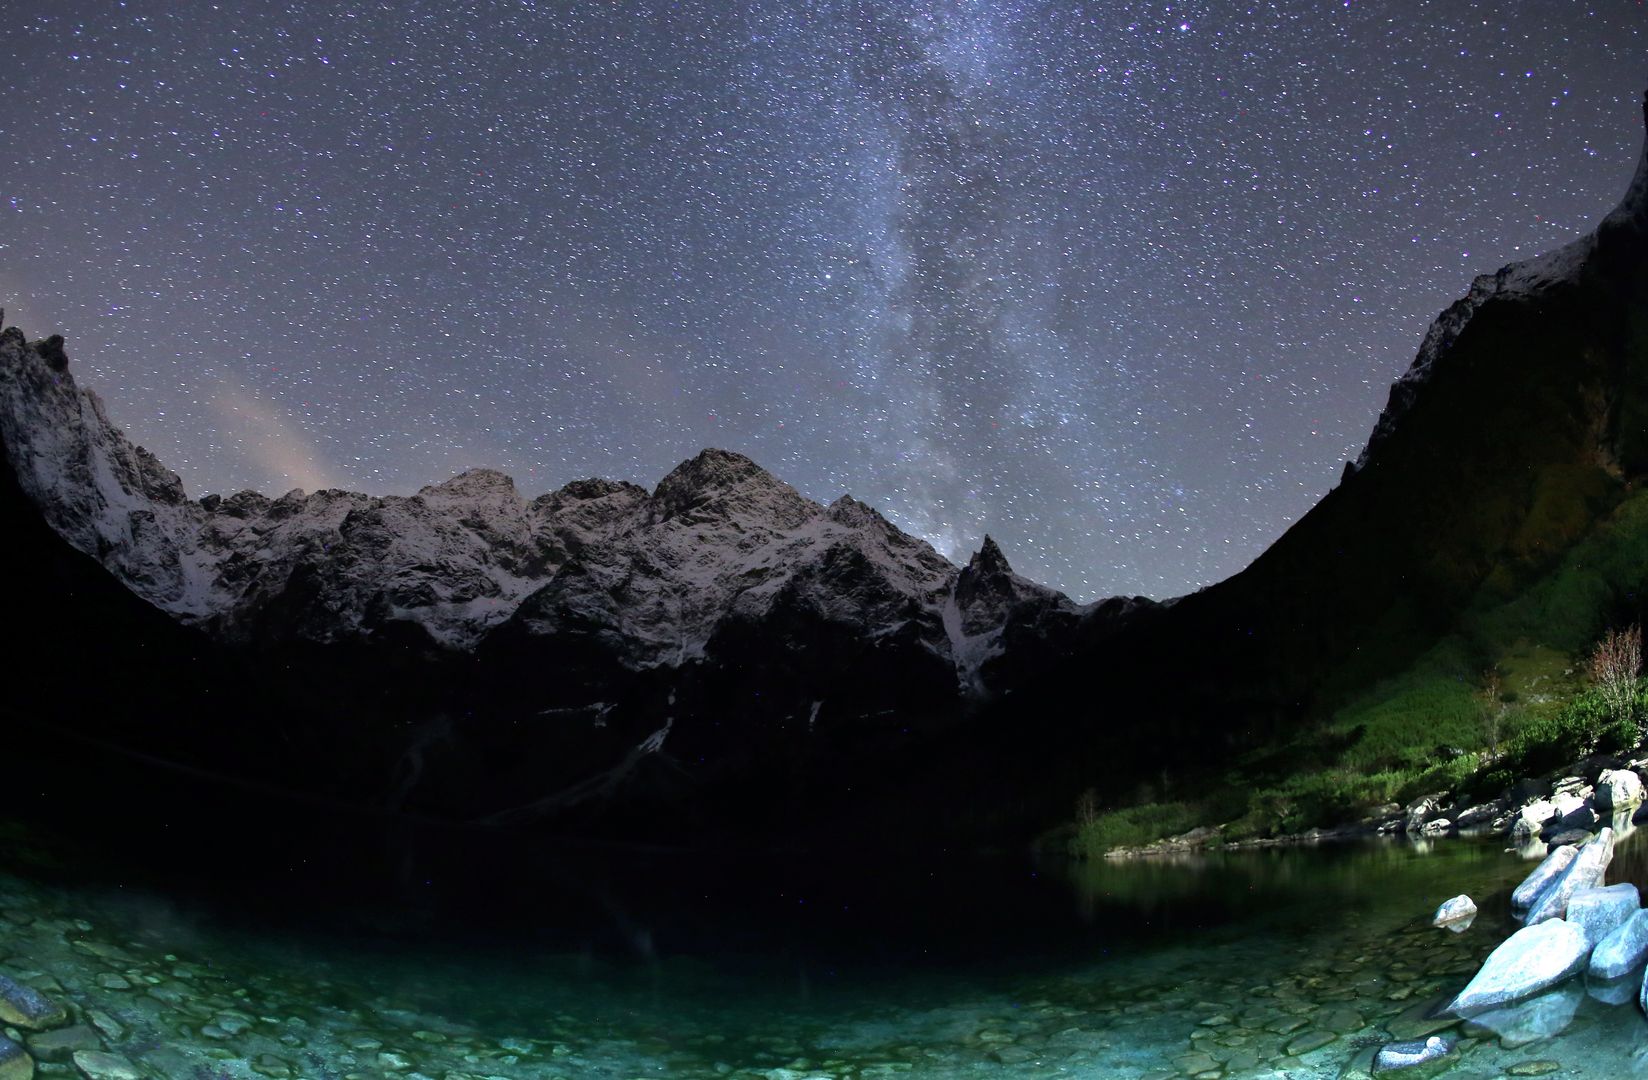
[184, 944]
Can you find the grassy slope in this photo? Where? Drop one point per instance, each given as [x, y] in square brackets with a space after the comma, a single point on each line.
[1431, 726]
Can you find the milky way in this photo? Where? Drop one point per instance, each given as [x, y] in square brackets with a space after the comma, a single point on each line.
[1121, 284]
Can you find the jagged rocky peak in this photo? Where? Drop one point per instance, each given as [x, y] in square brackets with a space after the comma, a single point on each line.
[863, 518]
[593, 488]
[987, 587]
[590, 500]
[476, 495]
[722, 483]
[710, 470]
[988, 559]
[472, 483]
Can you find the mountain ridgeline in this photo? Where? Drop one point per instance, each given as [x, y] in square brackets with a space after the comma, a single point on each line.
[721, 655]
[470, 653]
[1517, 434]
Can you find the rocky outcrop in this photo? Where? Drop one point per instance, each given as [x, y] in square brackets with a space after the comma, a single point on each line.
[1424, 811]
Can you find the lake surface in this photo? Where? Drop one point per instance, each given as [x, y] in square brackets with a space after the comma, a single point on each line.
[246, 950]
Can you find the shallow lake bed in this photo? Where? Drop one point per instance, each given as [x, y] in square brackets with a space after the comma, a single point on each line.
[1294, 962]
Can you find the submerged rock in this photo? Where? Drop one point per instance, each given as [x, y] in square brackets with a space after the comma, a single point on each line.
[15, 1064]
[60, 1045]
[28, 1008]
[1310, 1040]
[1534, 885]
[1533, 959]
[1460, 909]
[1542, 1017]
[1599, 912]
[1622, 950]
[97, 1065]
[1421, 1020]
[1620, 990]
[1585, 872]
[1405, 1055]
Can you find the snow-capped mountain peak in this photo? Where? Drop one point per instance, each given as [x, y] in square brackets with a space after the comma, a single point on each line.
[656, 578]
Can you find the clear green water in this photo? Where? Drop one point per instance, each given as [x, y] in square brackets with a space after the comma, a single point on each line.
[494, 959]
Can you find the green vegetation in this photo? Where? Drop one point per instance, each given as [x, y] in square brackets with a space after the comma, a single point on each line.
[1516, 690]
[1133, 825]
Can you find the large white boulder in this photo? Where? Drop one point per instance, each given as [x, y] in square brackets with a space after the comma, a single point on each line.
[1621, 951]
[1533, 959]
[1599, 912]
[1535, 884]
[1460, 908]
[1585, 872]
[1531, 820]
[1618, 789]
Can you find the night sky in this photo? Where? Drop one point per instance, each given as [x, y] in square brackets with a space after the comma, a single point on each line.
[1121, 284]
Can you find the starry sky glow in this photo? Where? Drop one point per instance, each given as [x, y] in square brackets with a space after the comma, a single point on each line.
[1122, 284]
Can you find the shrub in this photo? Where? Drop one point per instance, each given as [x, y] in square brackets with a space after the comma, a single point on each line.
[1548, 742]
[1614, 665]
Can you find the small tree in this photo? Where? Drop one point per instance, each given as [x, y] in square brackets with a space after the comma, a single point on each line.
[1087, 807]
[1614, 666]
[1493, 712]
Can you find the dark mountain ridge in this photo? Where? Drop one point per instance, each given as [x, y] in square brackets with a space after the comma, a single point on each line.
[1520, 426]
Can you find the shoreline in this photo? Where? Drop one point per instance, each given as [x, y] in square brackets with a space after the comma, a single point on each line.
[1533, 814]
